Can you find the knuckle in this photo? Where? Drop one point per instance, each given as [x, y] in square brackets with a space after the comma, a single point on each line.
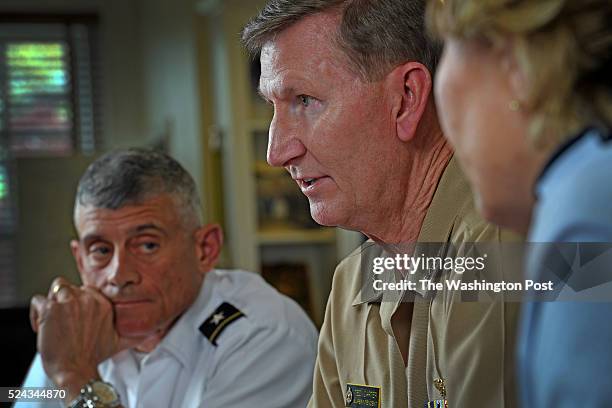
[37, 302]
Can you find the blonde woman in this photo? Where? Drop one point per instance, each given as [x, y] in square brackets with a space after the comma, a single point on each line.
[524, 95]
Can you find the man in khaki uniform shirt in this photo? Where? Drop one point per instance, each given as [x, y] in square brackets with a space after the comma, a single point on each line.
[356, 127]
[468, 345]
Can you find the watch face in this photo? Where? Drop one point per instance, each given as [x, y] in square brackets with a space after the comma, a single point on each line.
[105, 392]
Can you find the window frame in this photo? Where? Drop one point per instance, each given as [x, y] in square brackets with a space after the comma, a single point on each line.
[69, 21]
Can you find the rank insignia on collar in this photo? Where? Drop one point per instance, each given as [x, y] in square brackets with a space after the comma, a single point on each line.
[362, 396]
[218, 321]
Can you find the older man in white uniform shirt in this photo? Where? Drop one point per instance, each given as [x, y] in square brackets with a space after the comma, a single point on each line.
[154, 324]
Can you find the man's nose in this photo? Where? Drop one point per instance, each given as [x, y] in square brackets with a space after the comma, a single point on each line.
[284, 144]
[121, 271]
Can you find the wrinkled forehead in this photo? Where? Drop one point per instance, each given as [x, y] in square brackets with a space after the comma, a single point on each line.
[308, 50]
[160, 210]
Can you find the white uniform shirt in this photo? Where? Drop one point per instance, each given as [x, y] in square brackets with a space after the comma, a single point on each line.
[262, 359]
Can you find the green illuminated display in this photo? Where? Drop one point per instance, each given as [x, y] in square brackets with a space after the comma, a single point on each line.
[37, 68]
[38, 92]
[3, 185]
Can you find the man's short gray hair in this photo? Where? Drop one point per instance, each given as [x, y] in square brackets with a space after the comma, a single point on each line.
[130, 176]
[376, 35]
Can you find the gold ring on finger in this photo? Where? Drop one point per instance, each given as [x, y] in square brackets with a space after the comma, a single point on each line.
[58, 287]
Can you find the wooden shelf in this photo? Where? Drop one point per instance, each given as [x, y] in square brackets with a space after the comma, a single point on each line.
[296, 236]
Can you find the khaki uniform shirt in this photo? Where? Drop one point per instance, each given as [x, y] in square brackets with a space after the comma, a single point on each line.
[468, 345]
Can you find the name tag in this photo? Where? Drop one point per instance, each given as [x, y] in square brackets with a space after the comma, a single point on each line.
[362, 396]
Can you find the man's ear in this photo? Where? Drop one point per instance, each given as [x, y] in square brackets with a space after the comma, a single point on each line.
[209, 241]
[412, 82]
[75, 248]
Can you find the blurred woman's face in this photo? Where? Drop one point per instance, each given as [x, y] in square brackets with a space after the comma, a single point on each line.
[475, 88]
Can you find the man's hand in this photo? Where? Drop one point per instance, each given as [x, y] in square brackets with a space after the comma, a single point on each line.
[75, 333]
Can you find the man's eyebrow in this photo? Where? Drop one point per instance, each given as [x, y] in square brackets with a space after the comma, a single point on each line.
[145, 227]
[91, 238]
[283, 93]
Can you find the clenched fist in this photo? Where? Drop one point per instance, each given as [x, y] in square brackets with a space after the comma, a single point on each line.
[75, 333]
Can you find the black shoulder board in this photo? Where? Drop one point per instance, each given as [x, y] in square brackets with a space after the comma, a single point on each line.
[222, 317]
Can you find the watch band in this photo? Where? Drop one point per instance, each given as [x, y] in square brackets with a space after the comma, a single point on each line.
[96, 394]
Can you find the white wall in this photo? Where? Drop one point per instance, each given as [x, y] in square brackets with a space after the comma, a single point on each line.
[171, 85]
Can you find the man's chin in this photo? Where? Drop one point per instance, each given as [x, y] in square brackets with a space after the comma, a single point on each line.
[134, 331]
[322, 215]
[138, 335]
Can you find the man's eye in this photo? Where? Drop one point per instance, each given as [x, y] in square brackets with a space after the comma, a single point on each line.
[100, 250]
[99, 254]
[305, 100]
[149, 247]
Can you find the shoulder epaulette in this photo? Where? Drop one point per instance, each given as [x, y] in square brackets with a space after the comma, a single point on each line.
[218, 321]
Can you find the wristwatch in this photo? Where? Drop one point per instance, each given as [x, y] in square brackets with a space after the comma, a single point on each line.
[96, 394]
